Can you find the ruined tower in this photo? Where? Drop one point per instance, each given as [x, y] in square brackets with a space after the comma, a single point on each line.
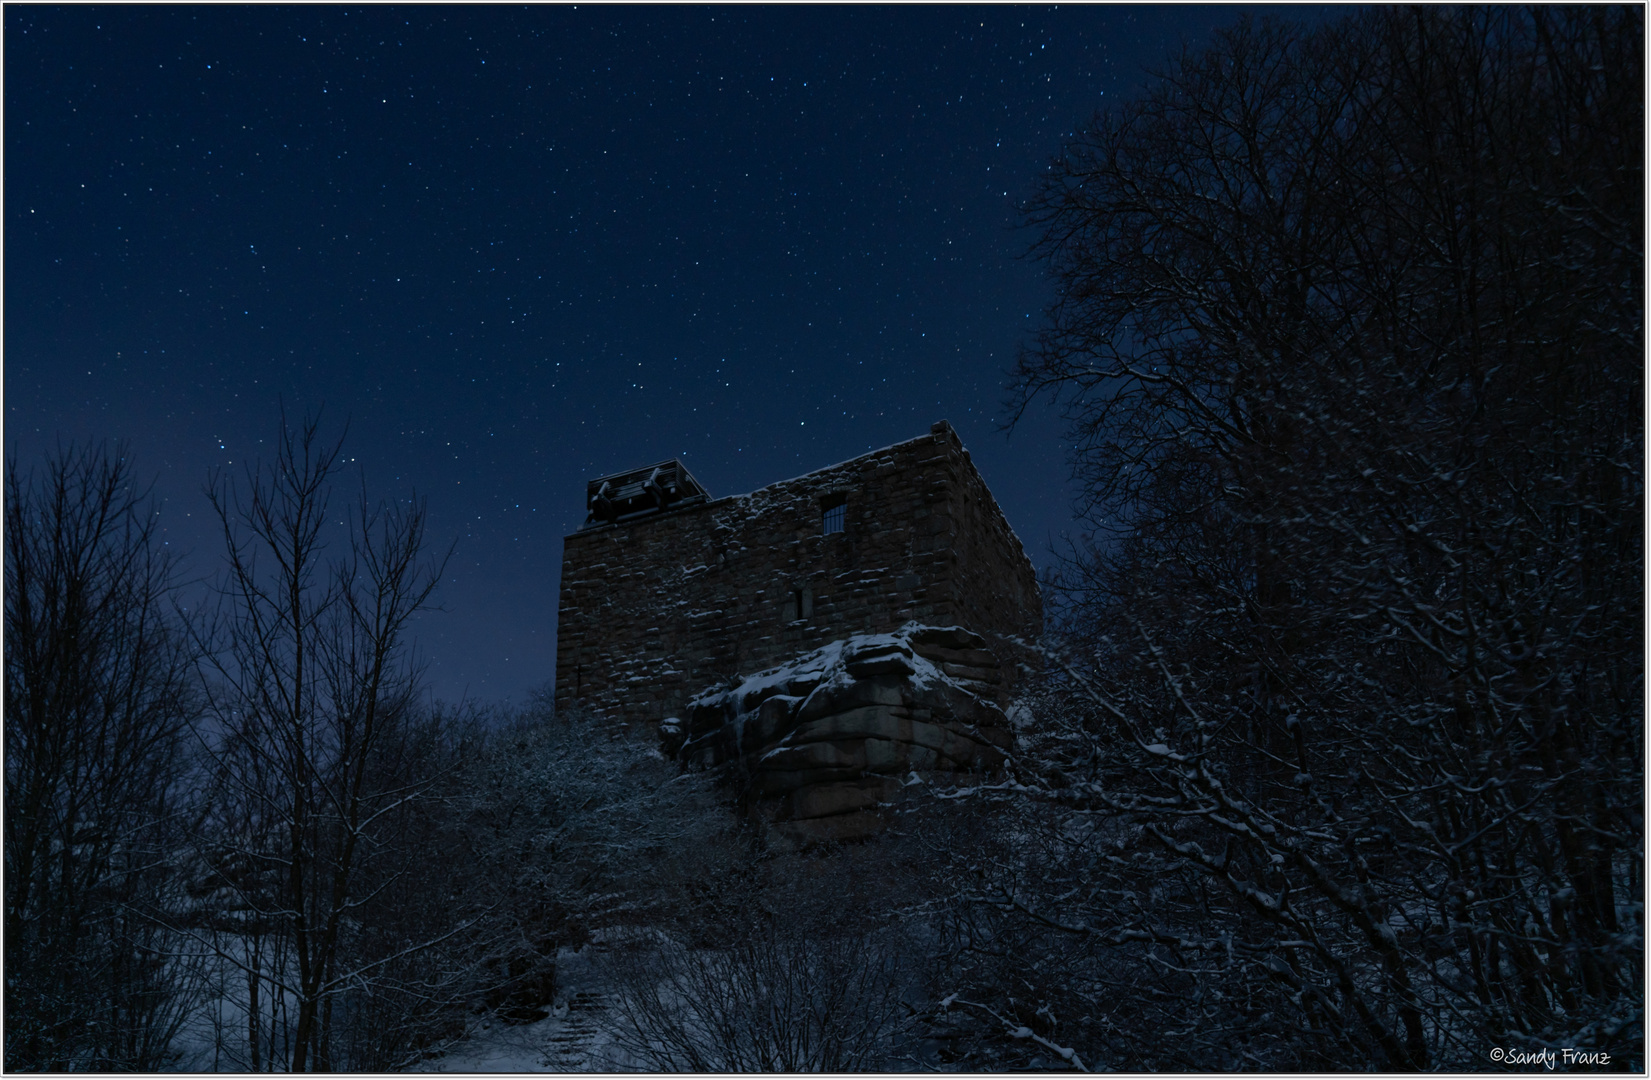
[667, 591]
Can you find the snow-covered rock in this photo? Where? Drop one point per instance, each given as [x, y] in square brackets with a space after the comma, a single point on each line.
[825, 743]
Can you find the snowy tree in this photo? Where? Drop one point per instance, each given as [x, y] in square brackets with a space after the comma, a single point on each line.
[588, 828]
[1341, 764]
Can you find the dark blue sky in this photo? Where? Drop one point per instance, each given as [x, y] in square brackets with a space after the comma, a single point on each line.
[518, 247]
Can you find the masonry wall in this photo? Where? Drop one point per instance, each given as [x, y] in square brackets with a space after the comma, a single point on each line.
[657, 609]
[994, 586]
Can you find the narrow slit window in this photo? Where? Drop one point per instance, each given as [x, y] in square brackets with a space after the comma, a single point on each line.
[798, 605]
[832, 517]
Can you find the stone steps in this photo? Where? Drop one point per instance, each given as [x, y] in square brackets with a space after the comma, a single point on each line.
[569, 1048]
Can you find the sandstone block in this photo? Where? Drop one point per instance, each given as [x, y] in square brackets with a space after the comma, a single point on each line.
[824, 800]
[832, 735]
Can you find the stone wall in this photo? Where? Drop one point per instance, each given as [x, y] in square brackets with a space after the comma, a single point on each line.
[995, 589]
[657, 609]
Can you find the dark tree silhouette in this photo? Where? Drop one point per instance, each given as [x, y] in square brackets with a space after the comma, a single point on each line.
[1349, 332]
[99, 700]
[319, 751]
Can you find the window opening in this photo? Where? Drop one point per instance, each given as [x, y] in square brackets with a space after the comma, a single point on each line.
[799, 605]
[832, 517]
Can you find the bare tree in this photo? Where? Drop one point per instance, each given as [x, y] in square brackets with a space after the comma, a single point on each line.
[318, 749]
[1349, 328]
[99, 698]
[768, 1001]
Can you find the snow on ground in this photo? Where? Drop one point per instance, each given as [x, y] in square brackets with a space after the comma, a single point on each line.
[571, 1039]
[494, 1047]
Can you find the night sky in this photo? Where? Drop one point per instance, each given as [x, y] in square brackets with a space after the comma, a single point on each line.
[515, 248]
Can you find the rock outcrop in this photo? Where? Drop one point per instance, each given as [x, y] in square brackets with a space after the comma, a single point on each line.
[823, 745]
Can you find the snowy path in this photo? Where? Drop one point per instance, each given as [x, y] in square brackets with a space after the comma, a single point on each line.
[569, 1040]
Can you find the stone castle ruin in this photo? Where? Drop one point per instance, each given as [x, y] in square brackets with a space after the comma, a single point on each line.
[829, 634]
